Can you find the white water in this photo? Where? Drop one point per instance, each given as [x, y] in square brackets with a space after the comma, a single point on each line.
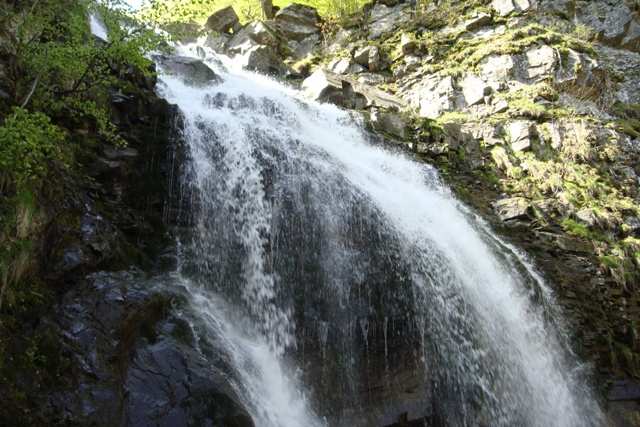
[474, 306]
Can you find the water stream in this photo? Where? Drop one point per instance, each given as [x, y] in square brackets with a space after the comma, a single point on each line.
[301, 223]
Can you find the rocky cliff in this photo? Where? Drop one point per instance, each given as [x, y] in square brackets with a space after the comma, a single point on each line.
[529, 108]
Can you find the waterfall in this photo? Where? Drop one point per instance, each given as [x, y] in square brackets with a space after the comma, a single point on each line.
[310, 242]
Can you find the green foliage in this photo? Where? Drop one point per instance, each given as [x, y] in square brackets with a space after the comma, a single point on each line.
[28, 142]
[575, 228]
[59, 68]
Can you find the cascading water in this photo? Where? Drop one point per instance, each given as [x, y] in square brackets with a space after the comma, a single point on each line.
[308, 241]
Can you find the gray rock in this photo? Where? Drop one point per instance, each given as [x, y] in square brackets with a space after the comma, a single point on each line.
[626, 65]
[506, 7]
[609, 19]
[512, 208]
[497, 69]
[474, 89]
[224, 21]
[371, 79]
[345, 66]
[587, 216]
[217, 42]
[541, 62]
[383, 19]
[305, 47]
[390, 123]
[192, 71]
[432, 96]
[297, 21]
[325, 86]
[520, 134]
[256, 32]
[368, 56]
[264, 60]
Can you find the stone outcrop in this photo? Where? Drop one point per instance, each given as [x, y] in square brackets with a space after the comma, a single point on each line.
[224, 21]
[192, 71]
[297, 21]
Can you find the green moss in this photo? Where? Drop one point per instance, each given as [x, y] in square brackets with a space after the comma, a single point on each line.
[575, 228]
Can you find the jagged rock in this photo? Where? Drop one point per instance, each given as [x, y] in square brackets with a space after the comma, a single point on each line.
[541, 62]
[297, 21]
[474, 89]
[305, 47]
[624, 64]
[113, 319]
[339, 40]
[512, 208]
[610, 20]
[390, 123]
[497, 70]
[217, 42]
[192, 71]
[264, 60]
[520, 134]
[256, 32]
[344, 66]
[587, 216]
[499, 106]
[369, 57]
[564, 8]
[506, 7]
[477, 21]
[433, 96]
[483, 131]
[325, 86]
[371, 79]
[383, 19]
[224, 21]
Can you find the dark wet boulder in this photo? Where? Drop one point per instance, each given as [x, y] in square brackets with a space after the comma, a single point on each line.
[132, 361]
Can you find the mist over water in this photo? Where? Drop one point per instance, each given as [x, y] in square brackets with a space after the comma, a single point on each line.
[293, 210]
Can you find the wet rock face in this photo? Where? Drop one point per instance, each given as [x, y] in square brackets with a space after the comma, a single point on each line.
[133, 362]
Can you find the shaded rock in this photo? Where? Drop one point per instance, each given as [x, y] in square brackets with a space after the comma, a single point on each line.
[325, 86]
[119, 333]
[609, 20]
[217, 42]
[305, 47]
[478, 20]
[390, 123]
[625, 64]
[256, 32]
[297, 21]
[190, 70]
[520, 134]
[474, 89]
[224, 21]
[263, 60]
[407, 44]
[512, 208]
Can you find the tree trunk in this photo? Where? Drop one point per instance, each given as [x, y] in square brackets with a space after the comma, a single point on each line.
[267, 8]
